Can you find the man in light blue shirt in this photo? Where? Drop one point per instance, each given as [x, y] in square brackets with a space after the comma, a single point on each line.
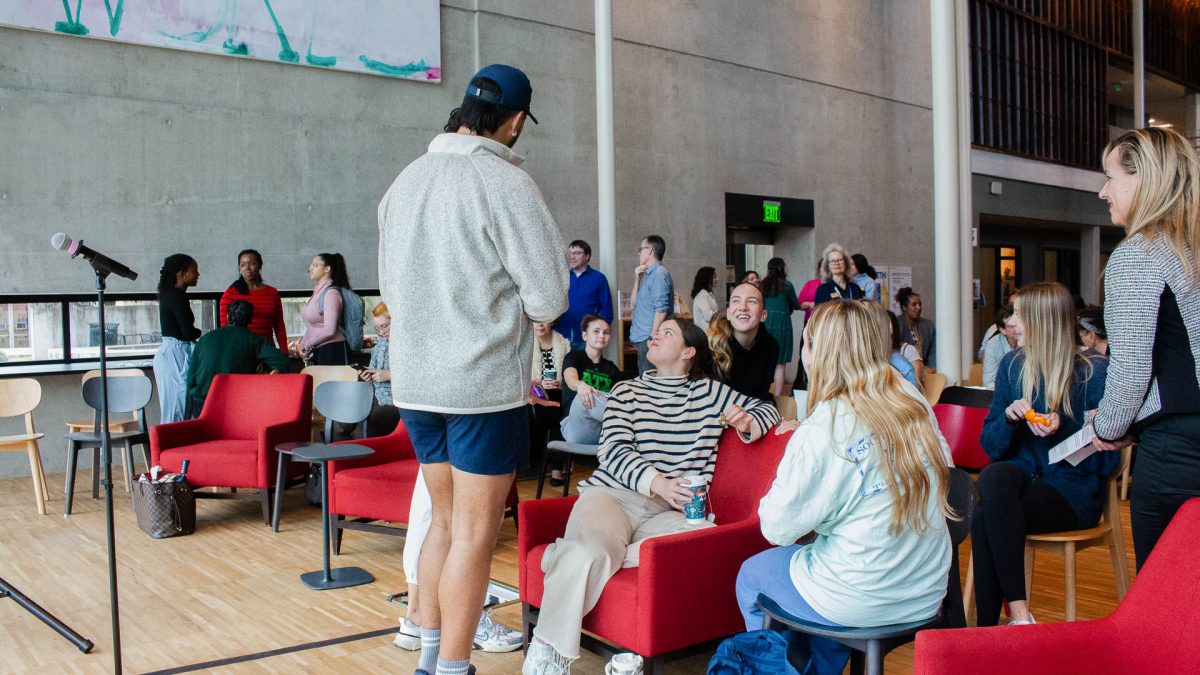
[653, 296]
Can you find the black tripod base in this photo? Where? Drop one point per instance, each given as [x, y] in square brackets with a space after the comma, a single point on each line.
[7, 590]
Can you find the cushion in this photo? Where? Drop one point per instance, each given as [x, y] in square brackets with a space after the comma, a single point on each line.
[380, 492]
[217, 463]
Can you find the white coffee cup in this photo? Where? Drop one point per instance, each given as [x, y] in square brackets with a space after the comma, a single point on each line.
[626, 663]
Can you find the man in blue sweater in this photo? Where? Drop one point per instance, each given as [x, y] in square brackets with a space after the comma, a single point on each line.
[588, 294]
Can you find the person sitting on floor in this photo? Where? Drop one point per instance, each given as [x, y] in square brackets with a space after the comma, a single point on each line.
[590, 377]
[231, 349]
[867, 472]
[744, 352]
[1020, 491]
[658, 429]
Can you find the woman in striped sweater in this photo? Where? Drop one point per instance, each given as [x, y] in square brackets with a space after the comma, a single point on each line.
[658, 429]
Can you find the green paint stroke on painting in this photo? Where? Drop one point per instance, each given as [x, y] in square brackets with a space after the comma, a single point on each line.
[114, 18]
[407, 70]
[232, 47]
[286, 53]
[315, 60]
[72, 25]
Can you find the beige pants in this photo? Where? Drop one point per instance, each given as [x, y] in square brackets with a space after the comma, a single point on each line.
[604, 533]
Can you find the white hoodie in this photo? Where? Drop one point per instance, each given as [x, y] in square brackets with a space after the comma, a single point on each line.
[469, 257]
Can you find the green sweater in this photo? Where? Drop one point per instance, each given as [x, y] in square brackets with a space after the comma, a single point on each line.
[232, 349]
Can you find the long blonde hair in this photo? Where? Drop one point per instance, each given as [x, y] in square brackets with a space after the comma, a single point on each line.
[1048, 314]
[720, 331]
[1166, 199]
[850, 364]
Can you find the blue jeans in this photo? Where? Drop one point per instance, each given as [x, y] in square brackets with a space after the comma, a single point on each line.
[769, 573]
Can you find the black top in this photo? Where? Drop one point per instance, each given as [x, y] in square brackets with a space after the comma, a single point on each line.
[753, 370]
[175, 317]
[831, 291]
[1173, 364]
[601, 375]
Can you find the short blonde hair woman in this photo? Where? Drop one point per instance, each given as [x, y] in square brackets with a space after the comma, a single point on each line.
[867, 471]
[834, 271]
[1044, 389]
[1152, 313]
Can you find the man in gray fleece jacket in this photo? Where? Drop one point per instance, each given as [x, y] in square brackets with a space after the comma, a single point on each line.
[469, 257]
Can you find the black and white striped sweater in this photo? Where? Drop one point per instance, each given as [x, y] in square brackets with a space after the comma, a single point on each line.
[668, 426]
[1154, 362]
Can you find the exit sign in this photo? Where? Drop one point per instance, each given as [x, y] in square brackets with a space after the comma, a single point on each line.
[771, 212]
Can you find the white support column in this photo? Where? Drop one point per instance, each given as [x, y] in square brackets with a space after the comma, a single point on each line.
[1139, 63]
[1089, 264]
[965, 219]
[1191, 117]
[947, 250]
[606, 245]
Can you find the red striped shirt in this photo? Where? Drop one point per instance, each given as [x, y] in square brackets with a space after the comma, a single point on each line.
[268, 312]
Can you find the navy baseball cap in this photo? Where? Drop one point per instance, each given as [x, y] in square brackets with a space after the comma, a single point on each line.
[515, 91]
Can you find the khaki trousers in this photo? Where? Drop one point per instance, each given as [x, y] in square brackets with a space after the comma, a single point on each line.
[604, 534]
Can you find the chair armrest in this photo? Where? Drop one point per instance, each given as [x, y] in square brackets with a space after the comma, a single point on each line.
[175, 434]
[1077, 647]
[394, 447]
[675, 566]
[541, 522]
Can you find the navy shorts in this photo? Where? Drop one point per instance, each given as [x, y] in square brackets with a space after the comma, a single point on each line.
[489, 444]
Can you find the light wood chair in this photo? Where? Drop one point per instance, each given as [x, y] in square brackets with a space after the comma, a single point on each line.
[934, 384]
[974, 376]
[786, 405]
[321, 374]
[116, 426]
[1107, 533]
[1126, 474]
[19, 397]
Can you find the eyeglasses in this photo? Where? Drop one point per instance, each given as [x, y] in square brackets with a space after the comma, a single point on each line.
[643, 248]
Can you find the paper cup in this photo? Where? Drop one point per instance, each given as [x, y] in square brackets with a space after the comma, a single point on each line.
[694, 511]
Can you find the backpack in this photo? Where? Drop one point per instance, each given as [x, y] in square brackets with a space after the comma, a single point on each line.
[758, 652]
[353, 313]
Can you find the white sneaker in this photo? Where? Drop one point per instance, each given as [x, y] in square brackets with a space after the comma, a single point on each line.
[496, 638]
[1023, 623]
[409, 636]
[542, 659]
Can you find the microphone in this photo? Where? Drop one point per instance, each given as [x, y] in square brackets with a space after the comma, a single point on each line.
[99, 261]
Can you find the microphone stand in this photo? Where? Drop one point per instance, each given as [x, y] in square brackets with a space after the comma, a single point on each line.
[106, 462]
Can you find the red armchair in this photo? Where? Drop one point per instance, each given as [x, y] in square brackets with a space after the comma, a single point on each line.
[232, 443]
[961, 425]
[1152, 631]
[682, 594]
[378, 487]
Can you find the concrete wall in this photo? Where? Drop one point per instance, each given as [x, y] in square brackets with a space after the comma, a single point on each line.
[145, 151]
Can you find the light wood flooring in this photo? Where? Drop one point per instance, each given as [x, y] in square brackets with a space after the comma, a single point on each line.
[232, 588]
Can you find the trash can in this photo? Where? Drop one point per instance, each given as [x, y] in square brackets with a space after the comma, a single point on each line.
[110, 334]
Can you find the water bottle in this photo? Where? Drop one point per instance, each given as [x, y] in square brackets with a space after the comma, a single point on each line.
[182, 471]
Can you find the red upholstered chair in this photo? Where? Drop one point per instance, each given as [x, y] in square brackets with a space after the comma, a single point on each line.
[379, 487]
[961, 426]
[232, 443]
[682, 594]
[1152, 631]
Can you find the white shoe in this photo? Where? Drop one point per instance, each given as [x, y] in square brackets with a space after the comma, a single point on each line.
[496, 638]
[542, 659]
[1031, 621]
[409, 636]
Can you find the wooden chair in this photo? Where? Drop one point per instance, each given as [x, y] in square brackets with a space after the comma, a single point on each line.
[19, 397]
[934, 384]
[974, 376]
[320, 375]
[1106, 533]
[116, 426]
[1126, 474]
[786, 406]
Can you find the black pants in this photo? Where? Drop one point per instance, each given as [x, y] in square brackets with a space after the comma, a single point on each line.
[331, 354]
[1166, 474]
[1011, 505]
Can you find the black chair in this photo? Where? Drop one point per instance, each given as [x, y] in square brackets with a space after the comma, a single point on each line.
[972, 397]
[870, 645]
[125, 395]
[346, 403]
[568, 451]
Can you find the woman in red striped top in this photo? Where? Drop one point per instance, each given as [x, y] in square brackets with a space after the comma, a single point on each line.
[267, 319]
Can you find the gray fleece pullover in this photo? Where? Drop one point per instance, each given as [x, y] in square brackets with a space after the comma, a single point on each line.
[469, 257]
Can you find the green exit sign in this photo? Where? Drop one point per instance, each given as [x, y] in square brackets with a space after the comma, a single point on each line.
[771, 212]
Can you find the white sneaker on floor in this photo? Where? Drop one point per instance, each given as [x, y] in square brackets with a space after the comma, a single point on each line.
[542, 659]
[409, 636]
[496, 638]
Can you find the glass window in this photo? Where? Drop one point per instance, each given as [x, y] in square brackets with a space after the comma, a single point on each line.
[131, 328]
[31, 332]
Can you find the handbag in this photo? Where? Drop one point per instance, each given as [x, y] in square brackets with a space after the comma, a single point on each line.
[312, 485]
[166, 509]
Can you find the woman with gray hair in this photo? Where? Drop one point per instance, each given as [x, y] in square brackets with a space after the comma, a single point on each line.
[835, 270]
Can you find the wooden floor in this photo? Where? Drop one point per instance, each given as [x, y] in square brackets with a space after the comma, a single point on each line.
[232, 589]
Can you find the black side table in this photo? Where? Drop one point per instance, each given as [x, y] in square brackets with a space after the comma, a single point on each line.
[319, 453]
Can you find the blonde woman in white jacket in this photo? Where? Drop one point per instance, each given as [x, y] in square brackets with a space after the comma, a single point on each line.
[866, 472]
